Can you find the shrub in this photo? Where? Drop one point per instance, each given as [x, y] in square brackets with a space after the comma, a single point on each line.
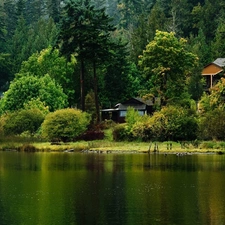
[212, 125]
[175, 123]
[65, 124]
[91, 135]
[120, 133]
[143, 129]
[171, 123]
[24, 120]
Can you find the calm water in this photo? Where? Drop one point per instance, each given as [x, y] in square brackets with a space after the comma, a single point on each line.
[126, 189]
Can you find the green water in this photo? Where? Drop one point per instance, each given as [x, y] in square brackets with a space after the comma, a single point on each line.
[126, 189]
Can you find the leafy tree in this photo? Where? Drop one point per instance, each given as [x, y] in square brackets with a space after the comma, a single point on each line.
[65, 124]
[28, 87]
[166, 64]
[50, 62]
[216, 98]
[24, 120]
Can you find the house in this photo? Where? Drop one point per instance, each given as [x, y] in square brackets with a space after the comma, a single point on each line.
[119, 111]
[213, 72]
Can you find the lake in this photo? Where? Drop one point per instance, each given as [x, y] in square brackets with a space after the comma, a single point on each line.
[126, 189]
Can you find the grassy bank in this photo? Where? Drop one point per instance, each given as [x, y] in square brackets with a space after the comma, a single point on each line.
[32, 144]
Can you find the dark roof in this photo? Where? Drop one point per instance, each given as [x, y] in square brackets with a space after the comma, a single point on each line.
[136, 103]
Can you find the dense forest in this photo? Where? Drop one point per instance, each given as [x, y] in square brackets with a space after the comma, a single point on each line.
[92, 54]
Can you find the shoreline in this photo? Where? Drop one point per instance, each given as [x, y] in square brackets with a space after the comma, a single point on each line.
[104, 146]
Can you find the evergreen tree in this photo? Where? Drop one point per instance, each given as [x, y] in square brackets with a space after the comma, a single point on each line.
[54, 9]
[85, 30]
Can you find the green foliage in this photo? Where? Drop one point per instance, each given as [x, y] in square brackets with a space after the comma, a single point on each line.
[143, 129]
[178, 123]
[28, 40]
[24, 120]
[131, 118]
[90, 105]
[49, 61]
[37, 104]
[89, 38]
[28, 87]
[214, 100]
[212, 125]
[165, 64]
[120, 133]
[171, 123]
[65, 124]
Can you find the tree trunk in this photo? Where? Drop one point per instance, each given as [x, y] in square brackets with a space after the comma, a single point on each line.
[82, 85]
[96, 94]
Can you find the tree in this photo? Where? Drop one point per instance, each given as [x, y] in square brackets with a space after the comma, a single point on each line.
[65, 124]
[122, 70]
[130, 10]
[218, 47]
[216, 98]
[54, 9]
[165, 65]
[5, 73]
[30, 39]
[86, 31]
[28, 87]
[50, 62]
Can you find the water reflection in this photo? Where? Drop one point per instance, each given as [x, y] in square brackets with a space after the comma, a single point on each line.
[128, 189]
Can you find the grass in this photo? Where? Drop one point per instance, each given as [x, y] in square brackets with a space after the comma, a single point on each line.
[34, 144]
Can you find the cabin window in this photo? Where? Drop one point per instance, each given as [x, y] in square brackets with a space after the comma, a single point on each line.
[123, 113]
[141, 113]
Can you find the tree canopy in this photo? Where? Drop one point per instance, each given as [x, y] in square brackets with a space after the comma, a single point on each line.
[29, 87]
[165, 64]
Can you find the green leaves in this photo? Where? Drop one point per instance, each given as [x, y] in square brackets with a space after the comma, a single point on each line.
[28, 87]
[65, 124]
[165, 65]
[49, 61]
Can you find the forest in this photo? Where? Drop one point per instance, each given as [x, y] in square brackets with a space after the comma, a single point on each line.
[92, 54]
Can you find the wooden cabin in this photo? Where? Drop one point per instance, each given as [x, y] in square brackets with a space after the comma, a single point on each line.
[213, 72]
[119, 111]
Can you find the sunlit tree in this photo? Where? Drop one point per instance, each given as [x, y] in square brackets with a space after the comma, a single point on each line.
[165, 64]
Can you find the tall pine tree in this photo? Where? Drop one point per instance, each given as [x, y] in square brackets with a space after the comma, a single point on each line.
[85, 30]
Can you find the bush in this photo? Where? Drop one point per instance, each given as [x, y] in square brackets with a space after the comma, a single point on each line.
[65, 124]
[171, 123]
[91, 135]
[120, 133]
[212, 125]
[175, 123]
[143, 129]
[24, 120]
